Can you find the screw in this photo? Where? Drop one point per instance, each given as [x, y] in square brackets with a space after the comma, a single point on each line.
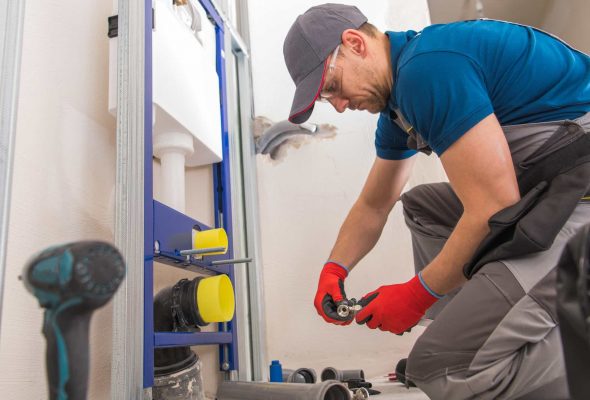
[225, 366]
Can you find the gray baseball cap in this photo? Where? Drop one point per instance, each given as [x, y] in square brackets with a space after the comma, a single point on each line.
[309, 42]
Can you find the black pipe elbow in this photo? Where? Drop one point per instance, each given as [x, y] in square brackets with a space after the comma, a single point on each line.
[175, 310]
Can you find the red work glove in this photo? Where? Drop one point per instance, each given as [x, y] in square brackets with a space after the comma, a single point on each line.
[330, 293]
[396, 308]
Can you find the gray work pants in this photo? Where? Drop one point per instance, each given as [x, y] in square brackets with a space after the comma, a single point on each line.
[497, 336]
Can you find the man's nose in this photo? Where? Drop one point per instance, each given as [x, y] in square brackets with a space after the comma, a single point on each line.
[339, 104]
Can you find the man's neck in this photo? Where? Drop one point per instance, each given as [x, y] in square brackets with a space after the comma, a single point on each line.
[385, 47]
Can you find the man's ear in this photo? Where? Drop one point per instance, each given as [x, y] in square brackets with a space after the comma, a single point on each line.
[355, 41]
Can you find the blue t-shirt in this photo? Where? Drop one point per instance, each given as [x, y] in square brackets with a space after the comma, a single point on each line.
[449, 77]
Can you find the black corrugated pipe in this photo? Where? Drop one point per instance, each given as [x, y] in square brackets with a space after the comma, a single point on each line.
[175, 310]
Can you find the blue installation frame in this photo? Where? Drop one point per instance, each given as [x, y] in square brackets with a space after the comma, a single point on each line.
[171, 230]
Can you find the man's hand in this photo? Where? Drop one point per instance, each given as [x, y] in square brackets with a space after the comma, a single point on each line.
[330, 293]
[396, 308]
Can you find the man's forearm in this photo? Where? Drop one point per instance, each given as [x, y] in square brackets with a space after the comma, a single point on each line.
[358, 234]
[445, 272]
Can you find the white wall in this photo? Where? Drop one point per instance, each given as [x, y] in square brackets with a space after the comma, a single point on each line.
[305, 197]
[63, 182]
[64, 172]
[568, 20]
[528, 12]
[564, 18]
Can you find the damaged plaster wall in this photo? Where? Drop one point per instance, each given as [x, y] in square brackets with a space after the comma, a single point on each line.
[275, 138]
[306, 192]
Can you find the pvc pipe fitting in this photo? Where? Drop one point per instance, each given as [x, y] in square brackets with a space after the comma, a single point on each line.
[328, 390]
[301, 375]
[342, 375]
[172, 148]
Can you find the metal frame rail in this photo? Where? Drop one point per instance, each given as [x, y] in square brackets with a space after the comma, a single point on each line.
[168, 231]
[11, 30]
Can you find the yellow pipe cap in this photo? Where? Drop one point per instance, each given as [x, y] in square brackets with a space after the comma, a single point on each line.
[215, 299]
[210, 238]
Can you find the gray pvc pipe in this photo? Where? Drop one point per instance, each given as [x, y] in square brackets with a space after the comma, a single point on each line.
[301, 375]
[278, 133]
[342, 375]
[328, 390]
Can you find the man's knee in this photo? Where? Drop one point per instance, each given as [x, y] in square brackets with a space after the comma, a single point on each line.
[451, 342]
[429, 369]
[431, 358]
[417, 366]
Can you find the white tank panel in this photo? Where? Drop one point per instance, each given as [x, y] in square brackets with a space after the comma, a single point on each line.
[185, 82]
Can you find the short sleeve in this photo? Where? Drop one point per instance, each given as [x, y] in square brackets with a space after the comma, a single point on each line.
[443, 95]
[390, 140]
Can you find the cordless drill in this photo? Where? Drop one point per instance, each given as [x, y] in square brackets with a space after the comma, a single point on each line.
[71, 281]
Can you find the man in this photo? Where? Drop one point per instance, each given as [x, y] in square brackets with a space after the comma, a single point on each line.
[505, 107]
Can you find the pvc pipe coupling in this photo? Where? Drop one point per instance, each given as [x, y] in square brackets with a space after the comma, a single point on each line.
[328, 390]
[342, 375]
[301, 375]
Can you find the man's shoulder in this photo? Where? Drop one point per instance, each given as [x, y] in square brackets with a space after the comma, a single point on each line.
[462, 37]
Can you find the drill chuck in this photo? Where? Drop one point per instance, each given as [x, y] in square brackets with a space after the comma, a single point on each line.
[88, 271]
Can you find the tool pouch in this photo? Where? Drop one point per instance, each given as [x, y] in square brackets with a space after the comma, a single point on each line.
[552, 188]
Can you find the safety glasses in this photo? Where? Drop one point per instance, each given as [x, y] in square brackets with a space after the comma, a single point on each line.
[333, 80]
